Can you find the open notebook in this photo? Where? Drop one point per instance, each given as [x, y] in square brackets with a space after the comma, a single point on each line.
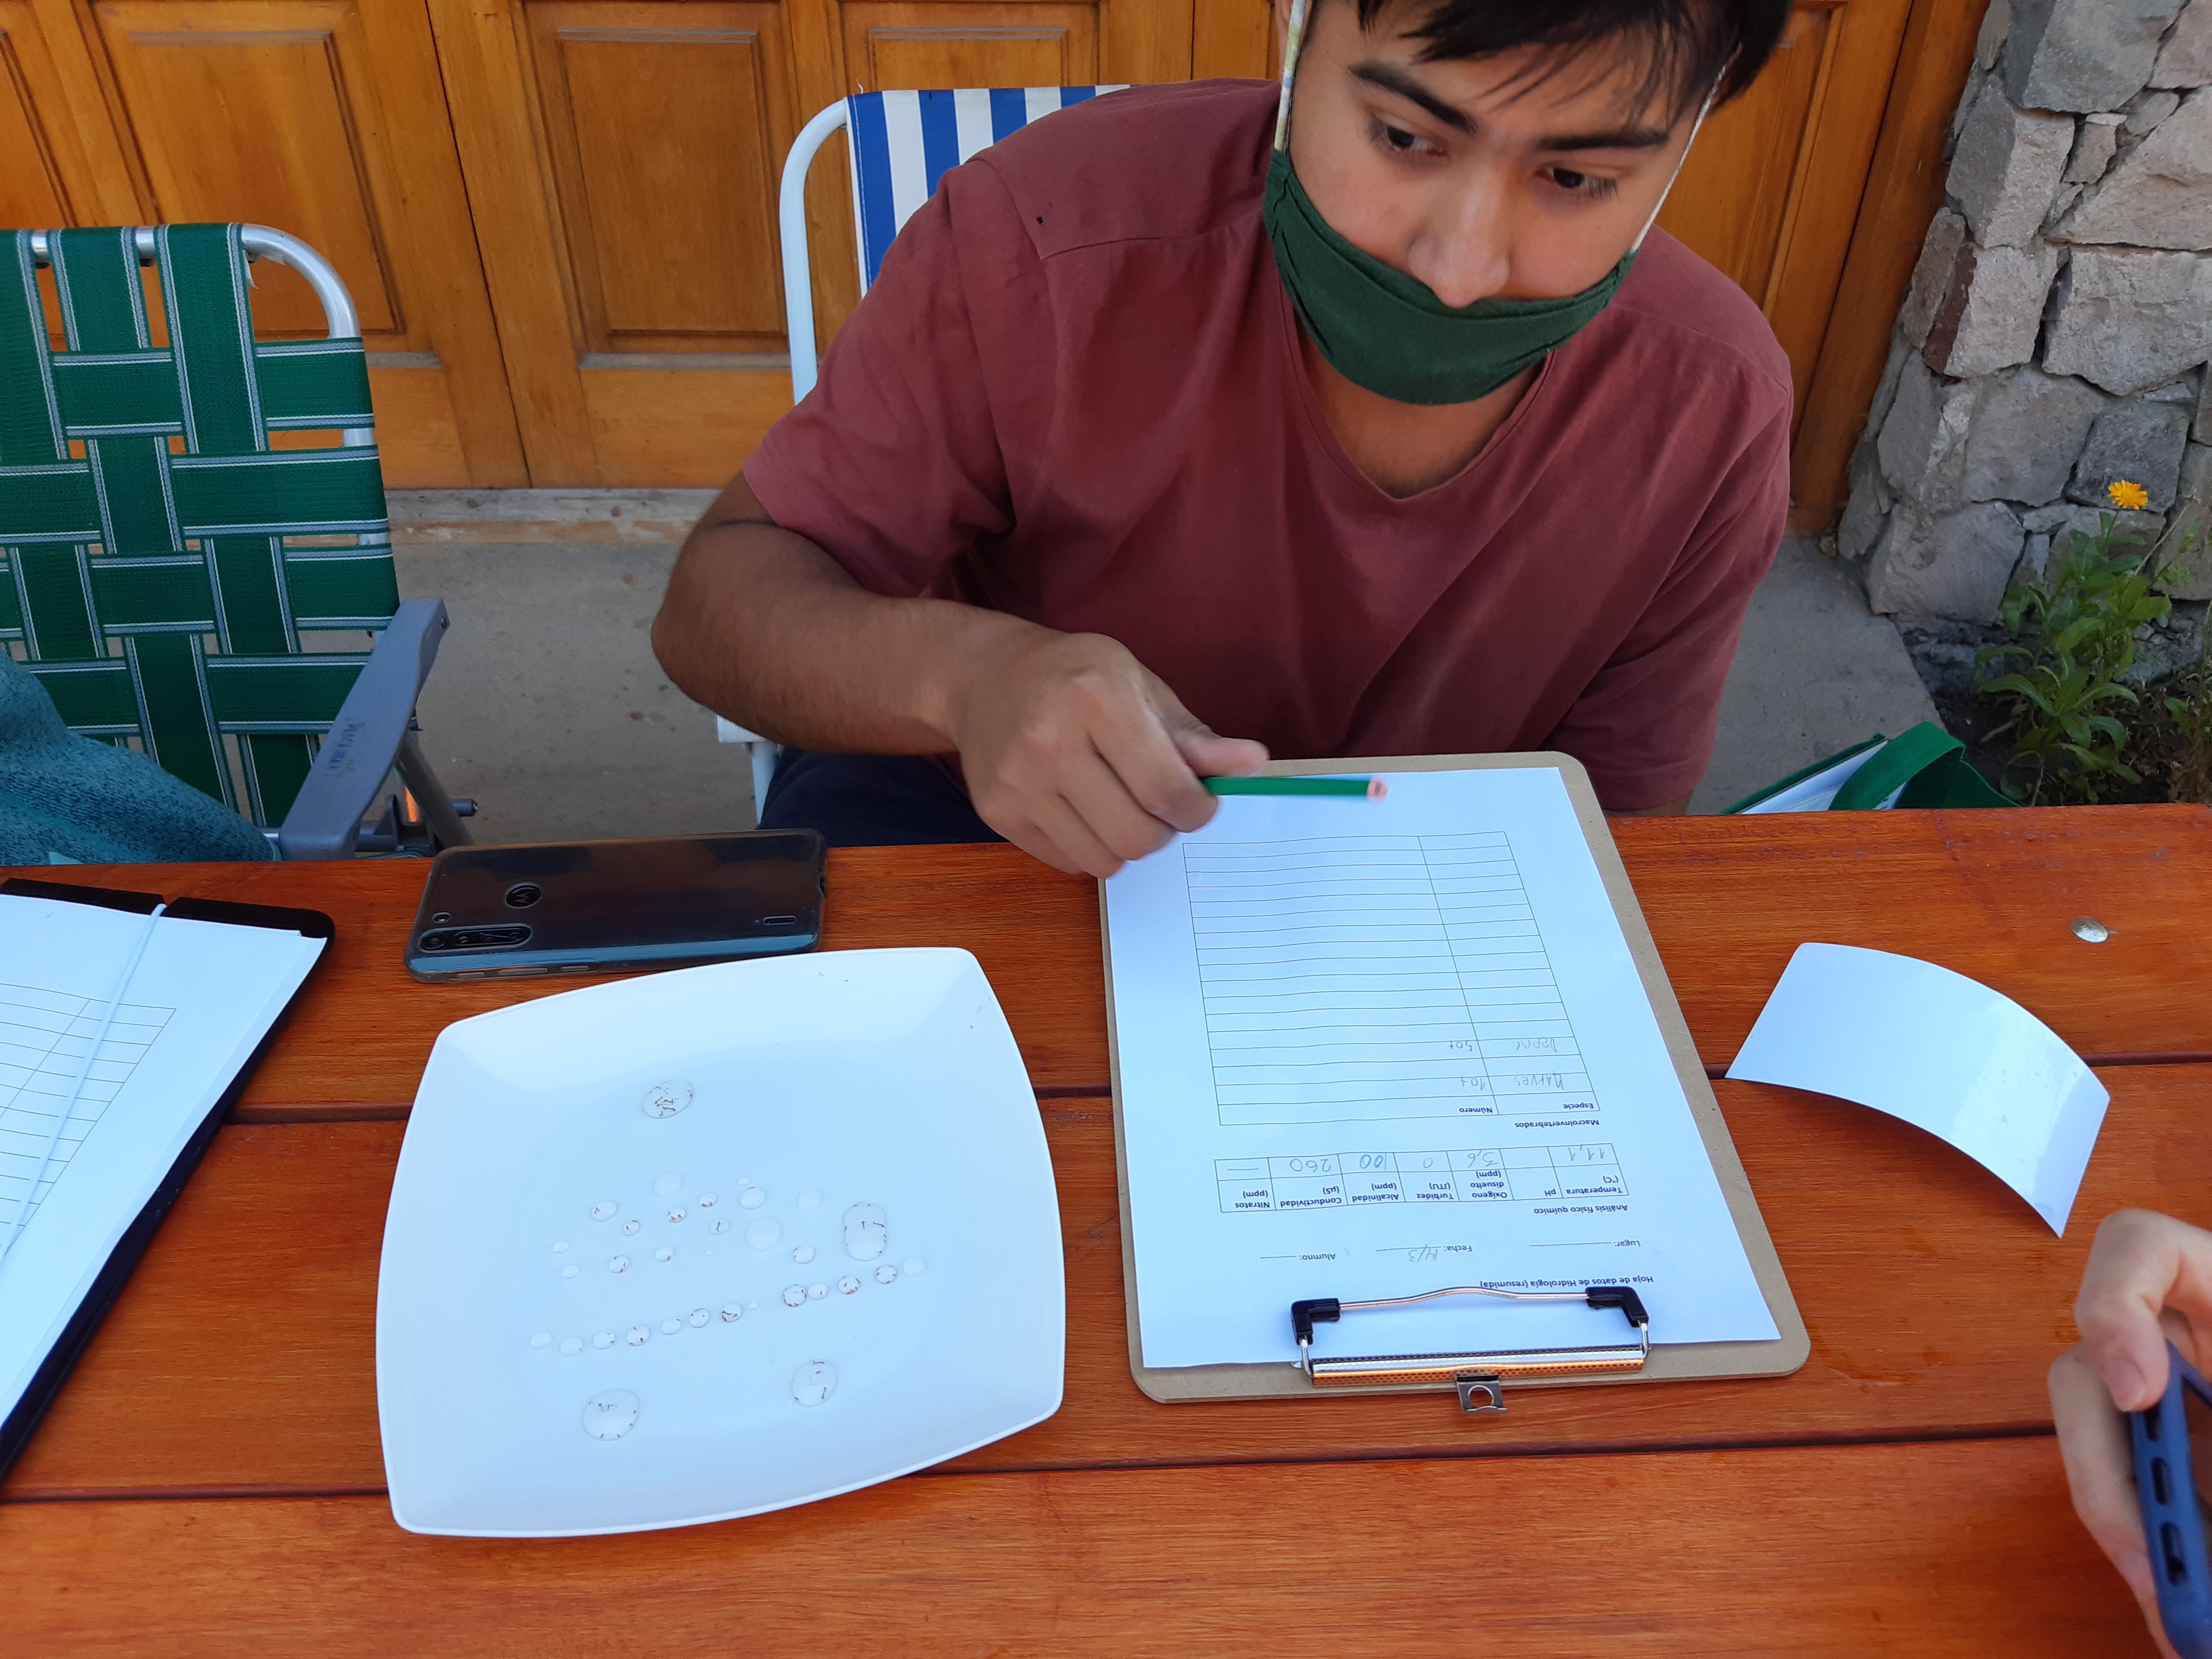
[124, 1036]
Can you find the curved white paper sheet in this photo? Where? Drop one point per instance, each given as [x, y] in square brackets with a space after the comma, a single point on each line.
[1940, 1051]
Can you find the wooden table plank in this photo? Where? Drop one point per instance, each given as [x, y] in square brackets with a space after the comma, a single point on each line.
[1901, 1550]
[1989, 893]
[240, 1358]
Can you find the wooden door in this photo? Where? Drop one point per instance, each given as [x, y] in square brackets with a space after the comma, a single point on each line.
[323, 118]
[603, 302]
[623, 157]
[1771, 194]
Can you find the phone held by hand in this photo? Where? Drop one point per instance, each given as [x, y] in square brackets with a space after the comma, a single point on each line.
[2167, 1438]
[605, 907]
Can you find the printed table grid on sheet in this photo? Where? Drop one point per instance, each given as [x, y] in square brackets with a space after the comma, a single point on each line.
[1377, 976]
[43, 1037]
[1322, 1181]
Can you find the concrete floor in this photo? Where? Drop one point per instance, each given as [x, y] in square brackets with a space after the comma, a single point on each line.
[1814, 671]
[548, 706]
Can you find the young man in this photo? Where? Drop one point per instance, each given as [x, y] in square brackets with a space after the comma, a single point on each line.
[1155, 452]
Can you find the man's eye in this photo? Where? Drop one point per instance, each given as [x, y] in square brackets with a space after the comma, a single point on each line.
[1582, 184]
[1397, 138]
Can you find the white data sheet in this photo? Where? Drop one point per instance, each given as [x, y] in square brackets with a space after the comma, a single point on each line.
[198, 1002]
[1370, 1048]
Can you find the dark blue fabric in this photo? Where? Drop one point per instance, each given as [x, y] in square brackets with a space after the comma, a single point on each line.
[869, 800]
[872, 160]
[1010, 111]
[940, 136]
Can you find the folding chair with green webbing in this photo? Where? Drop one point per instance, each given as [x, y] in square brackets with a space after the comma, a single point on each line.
[168, 571]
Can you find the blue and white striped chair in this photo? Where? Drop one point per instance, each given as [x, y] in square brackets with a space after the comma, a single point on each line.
[899, 144]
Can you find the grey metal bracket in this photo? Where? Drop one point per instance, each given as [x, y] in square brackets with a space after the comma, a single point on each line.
[374, 734]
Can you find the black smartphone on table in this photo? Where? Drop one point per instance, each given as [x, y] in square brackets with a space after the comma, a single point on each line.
[602, 907]
[2169, 1440]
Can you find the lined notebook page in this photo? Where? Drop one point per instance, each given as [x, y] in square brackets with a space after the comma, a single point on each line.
[202, 997]
[1371, 1048]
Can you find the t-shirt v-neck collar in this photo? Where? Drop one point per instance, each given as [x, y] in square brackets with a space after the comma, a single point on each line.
[1324, 435]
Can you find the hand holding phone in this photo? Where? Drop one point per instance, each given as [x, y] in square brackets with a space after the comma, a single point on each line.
[2146, 1301]
[2170, 1437]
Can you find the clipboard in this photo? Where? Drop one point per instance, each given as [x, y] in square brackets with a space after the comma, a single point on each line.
[19, 1423]
[1634, 1356]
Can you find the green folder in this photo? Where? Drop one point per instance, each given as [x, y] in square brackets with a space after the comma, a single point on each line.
[1923, 767]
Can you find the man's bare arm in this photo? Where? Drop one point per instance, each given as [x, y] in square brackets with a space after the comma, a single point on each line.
[763, 627]
[1071, 748]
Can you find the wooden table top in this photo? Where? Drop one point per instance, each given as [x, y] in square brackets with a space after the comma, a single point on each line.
[213, 1465]
[1933, 1296]
[1990, 894]
[1900, 1550]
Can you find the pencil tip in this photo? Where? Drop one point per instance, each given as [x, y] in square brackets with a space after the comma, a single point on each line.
[1377, 788]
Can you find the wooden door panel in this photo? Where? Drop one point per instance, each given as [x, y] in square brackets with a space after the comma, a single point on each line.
[49, 89]
[323, 118]
[662, 123]
[1232, 38]
[903, 45]
[1014, 56]
[252, 120]
[1736, 186]
[32, 193]
[1771, 193]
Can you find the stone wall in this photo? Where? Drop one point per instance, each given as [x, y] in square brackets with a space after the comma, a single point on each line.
[2055, 337]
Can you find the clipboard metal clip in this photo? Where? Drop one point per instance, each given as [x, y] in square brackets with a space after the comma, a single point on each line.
[1479, 1378]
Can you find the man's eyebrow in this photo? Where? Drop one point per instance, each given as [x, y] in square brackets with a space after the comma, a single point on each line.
[1390, 78]
[1629, 138]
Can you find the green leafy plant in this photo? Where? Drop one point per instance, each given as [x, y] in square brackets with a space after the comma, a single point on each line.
[2066, 673]
[2189, 776]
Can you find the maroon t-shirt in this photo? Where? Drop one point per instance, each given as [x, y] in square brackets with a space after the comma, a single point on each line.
[1076, 395]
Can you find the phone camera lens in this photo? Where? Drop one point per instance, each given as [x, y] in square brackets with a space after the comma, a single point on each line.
[523, 896]
[443, 917]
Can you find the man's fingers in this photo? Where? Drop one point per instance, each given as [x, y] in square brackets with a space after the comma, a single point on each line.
[1094, 791]
[2140, 1263]
[2093, 1440]
[1201, 753]
[1136, 742]
[1210, 756]
[1052, 830]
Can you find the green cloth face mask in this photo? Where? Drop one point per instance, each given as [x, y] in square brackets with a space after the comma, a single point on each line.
[1388, 331]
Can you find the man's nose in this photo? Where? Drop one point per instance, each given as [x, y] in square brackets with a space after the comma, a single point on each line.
[1466, 253]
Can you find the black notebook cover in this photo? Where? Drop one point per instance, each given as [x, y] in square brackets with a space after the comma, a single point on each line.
[47, 1382]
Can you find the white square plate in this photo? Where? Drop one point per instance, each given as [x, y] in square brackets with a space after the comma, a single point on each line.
[608, 1200]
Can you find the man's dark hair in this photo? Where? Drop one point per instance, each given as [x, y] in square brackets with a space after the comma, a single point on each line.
[1685, 43]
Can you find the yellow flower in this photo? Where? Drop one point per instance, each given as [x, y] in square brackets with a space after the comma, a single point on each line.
[2133, 496]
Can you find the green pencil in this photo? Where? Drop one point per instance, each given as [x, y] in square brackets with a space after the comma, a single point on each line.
[1372, 788]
